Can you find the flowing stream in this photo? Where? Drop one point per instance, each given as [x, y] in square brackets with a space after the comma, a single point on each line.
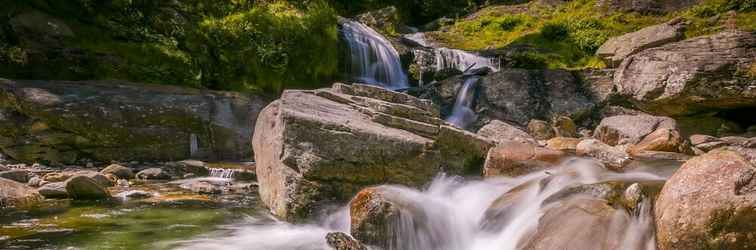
[373, 59]
[462, 113]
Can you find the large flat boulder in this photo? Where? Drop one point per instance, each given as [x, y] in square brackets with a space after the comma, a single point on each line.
[692, 76]
[616, 49]
[710, 203]
[630, 129]
[312, 147]
[67, 122]
[14, 194]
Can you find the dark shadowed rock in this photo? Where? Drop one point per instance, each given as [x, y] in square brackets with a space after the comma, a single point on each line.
[692, 76]
[18, 175]
[80, 187]
[14, 194]
[65, 122]
[616, 49]
[709, 203]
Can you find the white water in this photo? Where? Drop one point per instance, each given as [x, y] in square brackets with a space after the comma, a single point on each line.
[462, 112]
[373, 59]
[446, 58]
[451, 213]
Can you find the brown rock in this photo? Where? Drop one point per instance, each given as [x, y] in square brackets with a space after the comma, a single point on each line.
[613, 157]
[663, 139]
[14, 194]
[119, 171]
[514, 159]
[564, 127]
[540, 129]
[342, 241]
[709, 203]
[499, 132]
[563, 143]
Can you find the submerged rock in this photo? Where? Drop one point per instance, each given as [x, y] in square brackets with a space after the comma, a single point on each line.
[81, 187]
[696, 75]
[324, 145]
[710, 203]
[64, 122]
[14, 194]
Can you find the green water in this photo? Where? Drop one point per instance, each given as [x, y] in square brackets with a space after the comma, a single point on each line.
[142, 224]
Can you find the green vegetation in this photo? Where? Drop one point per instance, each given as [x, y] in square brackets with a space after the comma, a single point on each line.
[568, 35]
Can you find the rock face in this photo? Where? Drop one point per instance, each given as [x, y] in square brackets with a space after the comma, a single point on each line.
[324, 145]
[67, 122]
[616, 49]
[695, 75]
[13, 194]
[646, 6]
[709, 203]
[514, 159]
[630, 129]
[502, 132]
[81, 187]
[519, 95]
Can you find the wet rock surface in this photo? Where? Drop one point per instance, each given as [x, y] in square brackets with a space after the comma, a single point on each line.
[514, 159]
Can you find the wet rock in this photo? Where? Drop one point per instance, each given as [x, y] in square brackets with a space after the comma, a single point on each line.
[540, 129]
[616, 49]
[81, 187]
[664, 140]
[500, 132]
[153, 174]
[122, 121]
[342, 241]
[691, 76]
[55, 190]
[119, 171]
[181, 168]
[520, 95]
[514, 159]
[563, 143]
[564, 127]
[18, 175]
[371, 216]
[325, 145]
[613, 157]
[630, 129]
[136, 194]
[14, 194]
[709, 203]
[203, 187]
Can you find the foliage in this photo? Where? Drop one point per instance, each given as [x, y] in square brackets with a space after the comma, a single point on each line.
[415, 12]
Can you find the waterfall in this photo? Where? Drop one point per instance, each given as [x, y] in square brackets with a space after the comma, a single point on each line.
[222, 173]
[463, 114]
[373, 59]
[462, 60]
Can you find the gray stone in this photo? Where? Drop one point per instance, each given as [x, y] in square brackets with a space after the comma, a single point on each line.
[503, 132]
[55, 190]
[616, 49]
[630, 129]
[19, 175]
[613, 157]
[81, 187]
[152, 174]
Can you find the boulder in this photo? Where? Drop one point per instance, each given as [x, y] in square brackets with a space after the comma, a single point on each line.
[520, 95]
[19, 175]
[66, 122]
[343, 241]
[36, 181]
[630, 129]
[613, 157]
[500, 132]
[709, 203]
[81, 187]
[119, 171]
[664, 140]
[599, 83]
[153, 174]
[616, 49]
[55, 190]
[101, 179]
[563, 143]
[514, 159]
[692, 76]
[14, 194]
[312, 147]
[540, 129]
[564, 127]
[371, 215]
[706, 143]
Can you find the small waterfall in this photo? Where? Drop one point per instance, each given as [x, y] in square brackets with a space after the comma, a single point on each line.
[373, 59]
[222, 173]
[462, 60]
[463, 114]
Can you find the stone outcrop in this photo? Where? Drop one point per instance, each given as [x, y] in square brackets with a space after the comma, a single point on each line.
[614, 157]
[14, 194]
[696, 75]
[67, 122]
[709, 203]
[500, 132]
[312, 147]
[514, 159]
[646, 6]
[616, 49]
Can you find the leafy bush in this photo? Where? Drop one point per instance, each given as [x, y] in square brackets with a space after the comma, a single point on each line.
[555, 31]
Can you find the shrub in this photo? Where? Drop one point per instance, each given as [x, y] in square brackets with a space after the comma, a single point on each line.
[555, 31]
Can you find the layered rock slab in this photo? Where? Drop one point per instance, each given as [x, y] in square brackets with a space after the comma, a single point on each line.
[312, 147]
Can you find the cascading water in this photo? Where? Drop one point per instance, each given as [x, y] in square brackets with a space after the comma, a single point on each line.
[462, 112]
[373, 59]
[490, 214]
[462, 60]
[222, 173]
